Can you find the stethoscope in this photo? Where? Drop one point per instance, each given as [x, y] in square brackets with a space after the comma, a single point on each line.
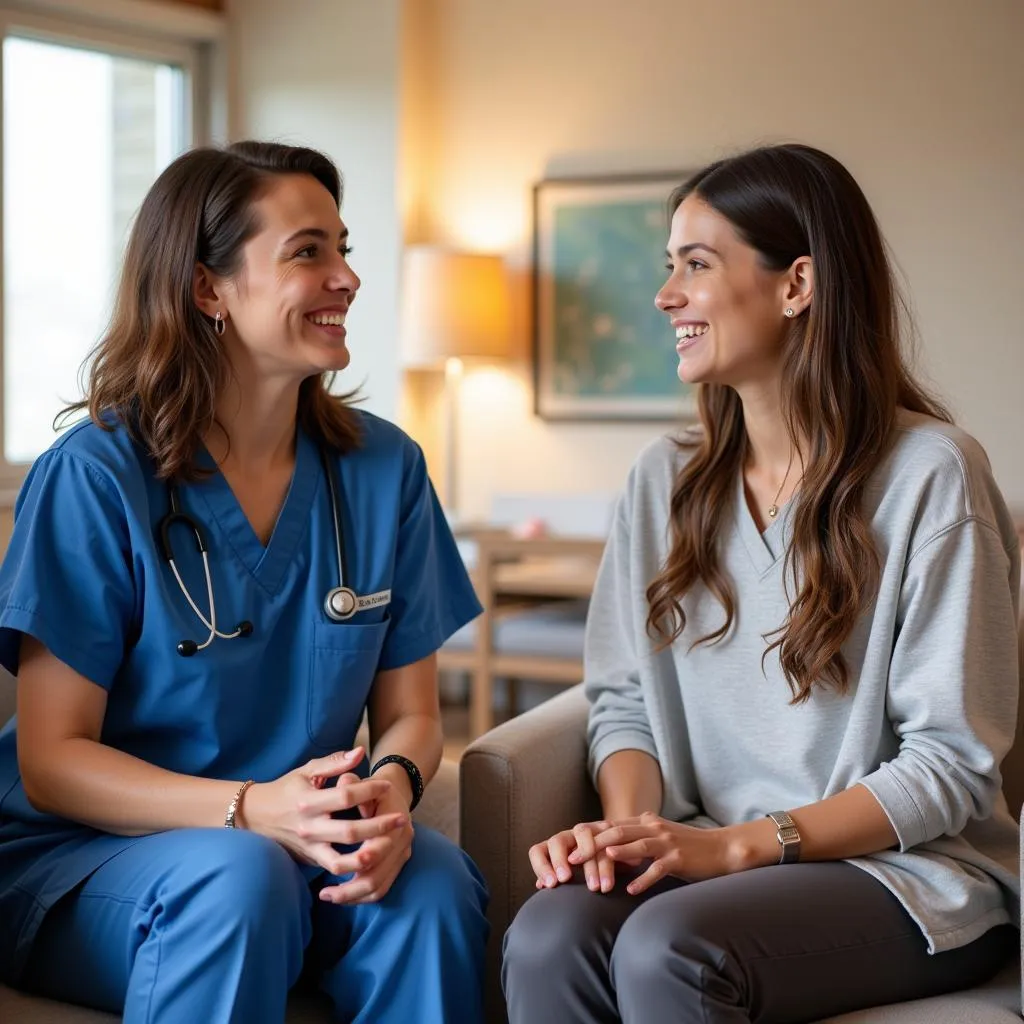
[341, 602]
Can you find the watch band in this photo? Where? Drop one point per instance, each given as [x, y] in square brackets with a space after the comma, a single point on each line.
[788, 836]
[415, 778]
[229, 818]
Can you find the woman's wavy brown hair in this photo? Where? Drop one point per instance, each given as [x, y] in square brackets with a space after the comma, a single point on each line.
[843, 378]
[160, 368]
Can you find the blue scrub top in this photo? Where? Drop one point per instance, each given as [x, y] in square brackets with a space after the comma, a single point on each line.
[84, 575]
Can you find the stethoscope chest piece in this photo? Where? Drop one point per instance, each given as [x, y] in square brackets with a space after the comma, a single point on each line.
[341, 603]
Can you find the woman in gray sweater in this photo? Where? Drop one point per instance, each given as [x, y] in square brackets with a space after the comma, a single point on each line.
[801, 654]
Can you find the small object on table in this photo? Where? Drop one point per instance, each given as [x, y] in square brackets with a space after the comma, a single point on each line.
[530, 529]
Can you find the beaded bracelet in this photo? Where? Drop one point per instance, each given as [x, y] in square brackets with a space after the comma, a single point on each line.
[415, 778]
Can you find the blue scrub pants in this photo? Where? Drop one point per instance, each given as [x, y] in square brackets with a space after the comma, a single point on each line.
[216, 925]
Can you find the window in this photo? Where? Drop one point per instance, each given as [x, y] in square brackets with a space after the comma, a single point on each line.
[89, 119]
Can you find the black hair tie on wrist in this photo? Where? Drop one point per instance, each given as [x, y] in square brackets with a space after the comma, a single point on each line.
[415, 778]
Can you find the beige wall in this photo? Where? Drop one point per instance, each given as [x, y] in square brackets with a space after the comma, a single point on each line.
[921, 98]
[326, 74]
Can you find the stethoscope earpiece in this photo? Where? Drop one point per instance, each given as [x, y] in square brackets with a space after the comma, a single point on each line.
[186, 648]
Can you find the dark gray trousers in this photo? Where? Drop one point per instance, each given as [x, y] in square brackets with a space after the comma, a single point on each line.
[778, 945]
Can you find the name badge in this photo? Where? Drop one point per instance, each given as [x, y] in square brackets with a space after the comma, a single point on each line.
[366, 601]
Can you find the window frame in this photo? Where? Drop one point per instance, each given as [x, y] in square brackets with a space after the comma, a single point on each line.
[187, 39]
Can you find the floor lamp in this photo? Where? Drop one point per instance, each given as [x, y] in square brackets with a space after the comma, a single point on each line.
[455, 306]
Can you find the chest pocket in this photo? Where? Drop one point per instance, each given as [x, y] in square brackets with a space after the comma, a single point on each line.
[342, 665]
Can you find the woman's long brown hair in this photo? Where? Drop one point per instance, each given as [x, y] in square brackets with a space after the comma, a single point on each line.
[159, 369]
[843, 378]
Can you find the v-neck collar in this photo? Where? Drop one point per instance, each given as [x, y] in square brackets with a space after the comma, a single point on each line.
[765, 549]
[268, 564]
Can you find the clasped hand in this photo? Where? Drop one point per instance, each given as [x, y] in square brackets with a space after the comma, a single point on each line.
[682, 851]
[297, 811]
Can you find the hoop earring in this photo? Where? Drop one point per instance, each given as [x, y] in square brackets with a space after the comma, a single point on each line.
[219, 324]
[789, 311]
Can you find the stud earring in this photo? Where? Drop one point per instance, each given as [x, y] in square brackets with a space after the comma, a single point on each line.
[219, 324]
[789, 311]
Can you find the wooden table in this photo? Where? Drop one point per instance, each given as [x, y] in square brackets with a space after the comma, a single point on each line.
[511, 573]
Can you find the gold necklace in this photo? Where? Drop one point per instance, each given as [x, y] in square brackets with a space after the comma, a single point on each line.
[773, 508]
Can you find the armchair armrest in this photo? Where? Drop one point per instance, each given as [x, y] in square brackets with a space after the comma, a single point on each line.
[8, 691]
[521, 783]
[439, 808]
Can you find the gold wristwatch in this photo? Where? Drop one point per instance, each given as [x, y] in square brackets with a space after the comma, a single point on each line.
[788, 836]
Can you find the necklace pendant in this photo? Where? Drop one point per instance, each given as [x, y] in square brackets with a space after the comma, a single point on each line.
[773, 511]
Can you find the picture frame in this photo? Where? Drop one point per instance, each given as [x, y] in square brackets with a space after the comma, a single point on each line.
[601, 350]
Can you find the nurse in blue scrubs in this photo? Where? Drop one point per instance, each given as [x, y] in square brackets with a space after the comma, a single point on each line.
[210, 580]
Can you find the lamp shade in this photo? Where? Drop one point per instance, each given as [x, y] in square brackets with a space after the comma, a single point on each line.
[454, 304]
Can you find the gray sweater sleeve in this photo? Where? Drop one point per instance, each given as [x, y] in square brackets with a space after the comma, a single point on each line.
[953, 683]
[618, 718]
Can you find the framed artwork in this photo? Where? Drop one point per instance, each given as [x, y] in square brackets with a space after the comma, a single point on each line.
[601, 350]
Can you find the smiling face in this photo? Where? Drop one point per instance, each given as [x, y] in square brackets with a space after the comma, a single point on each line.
[286, 307]
[726, 307]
